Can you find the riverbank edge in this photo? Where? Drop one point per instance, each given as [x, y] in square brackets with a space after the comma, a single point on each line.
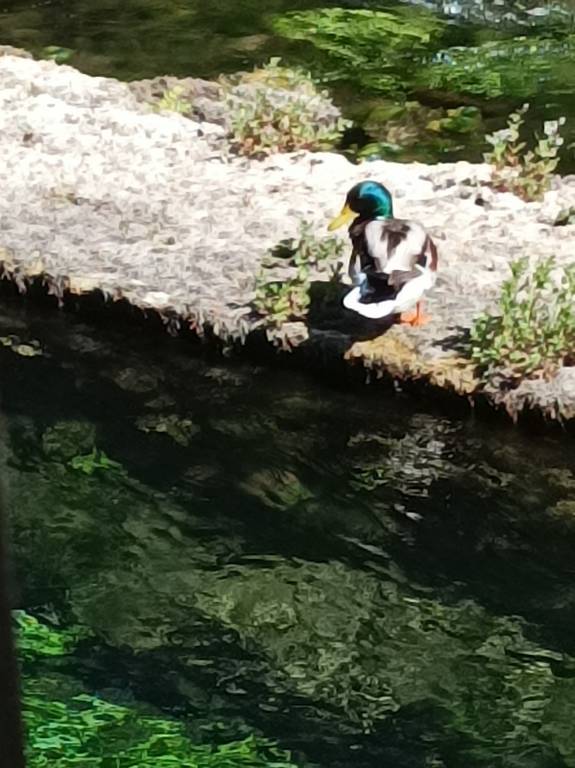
[395, 355]
[452, 384]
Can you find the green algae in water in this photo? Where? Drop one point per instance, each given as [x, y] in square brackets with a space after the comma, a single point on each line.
[36, 639]
[518, 69]
[407, 53]
[94, 461]
[366, 645]
[67, 726]
[377, 48]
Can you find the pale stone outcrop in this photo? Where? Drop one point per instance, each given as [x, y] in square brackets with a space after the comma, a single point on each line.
[101, 192]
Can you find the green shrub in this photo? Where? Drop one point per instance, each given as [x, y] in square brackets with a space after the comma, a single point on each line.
[526, 174]
[279, 301]
[276, 109]
[64, 731]
[533, 333]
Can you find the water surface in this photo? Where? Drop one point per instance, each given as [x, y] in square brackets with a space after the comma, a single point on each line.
[340, 571]
[396, 75]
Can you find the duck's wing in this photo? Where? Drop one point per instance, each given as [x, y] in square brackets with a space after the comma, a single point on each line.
[399, 246]
[398, 263]
[354, 266]
[364, 256]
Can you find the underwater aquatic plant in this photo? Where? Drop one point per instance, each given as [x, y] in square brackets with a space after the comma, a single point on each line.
[24, 349]
[67, 726]
[90, 462]
[36, 639]
[180, 428]
[372, 47]
[515, 68]
[57, 53]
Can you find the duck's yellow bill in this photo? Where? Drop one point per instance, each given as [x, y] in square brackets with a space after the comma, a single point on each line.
[344, 217]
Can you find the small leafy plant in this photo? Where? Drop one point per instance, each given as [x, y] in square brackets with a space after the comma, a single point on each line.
[564, 218]
[174, 101]
[280, 301]
[527, 174]
[278, 109]
[533, 334]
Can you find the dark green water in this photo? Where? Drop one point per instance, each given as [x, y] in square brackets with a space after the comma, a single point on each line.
[337, 571]
[396, 75]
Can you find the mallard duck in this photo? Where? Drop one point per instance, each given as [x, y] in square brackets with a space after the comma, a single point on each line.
[397, 258]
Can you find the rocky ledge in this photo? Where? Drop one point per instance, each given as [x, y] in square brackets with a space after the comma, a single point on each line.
[103, 193]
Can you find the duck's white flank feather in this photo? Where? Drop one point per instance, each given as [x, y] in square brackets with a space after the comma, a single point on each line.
[409, 295]
[404, 253]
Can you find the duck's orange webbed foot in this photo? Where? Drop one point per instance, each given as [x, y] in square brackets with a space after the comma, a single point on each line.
[416, 318]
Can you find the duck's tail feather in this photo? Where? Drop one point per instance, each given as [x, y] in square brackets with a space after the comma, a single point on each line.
[407, 297]
[373, 310]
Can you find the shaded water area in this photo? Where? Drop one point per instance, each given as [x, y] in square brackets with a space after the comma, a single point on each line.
[423, 81]
[211, 553]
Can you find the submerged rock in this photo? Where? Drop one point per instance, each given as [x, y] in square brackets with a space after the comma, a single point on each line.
[67, 439]
[136, 380]
[278, 489]
[180, 429]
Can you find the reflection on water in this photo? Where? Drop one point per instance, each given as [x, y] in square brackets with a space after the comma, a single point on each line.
[343, 573]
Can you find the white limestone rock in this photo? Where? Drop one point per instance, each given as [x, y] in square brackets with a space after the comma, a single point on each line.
[100, 189]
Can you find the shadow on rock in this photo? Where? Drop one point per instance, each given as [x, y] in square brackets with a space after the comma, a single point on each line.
[458, 341]
[327, 313]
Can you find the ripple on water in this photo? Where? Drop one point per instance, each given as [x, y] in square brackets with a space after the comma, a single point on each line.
[340, 572]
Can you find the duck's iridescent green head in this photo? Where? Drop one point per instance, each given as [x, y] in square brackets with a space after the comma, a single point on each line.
[366, 200]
